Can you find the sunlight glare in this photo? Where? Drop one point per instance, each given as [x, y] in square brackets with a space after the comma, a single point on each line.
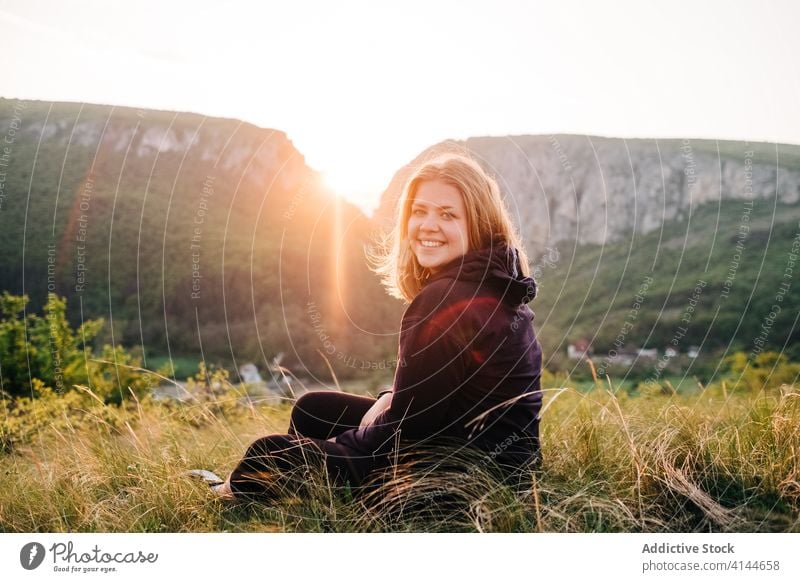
[356, 184]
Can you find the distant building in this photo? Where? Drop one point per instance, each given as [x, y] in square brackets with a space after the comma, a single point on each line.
[624, 358]
[670, 352]
[651, 353]
[693, 351]
[579, 349]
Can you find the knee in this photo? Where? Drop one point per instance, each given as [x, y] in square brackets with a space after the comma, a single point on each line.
[300, 408]
[306, 404]
[310, 401]
[305, 400]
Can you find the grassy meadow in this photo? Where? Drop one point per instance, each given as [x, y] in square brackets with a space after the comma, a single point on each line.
[724, 458]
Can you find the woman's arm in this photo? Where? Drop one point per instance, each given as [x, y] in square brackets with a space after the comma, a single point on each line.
[430, 370]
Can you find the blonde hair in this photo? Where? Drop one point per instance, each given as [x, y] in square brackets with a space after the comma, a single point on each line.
[488, 222]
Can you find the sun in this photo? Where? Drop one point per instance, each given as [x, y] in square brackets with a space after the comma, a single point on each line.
[354, 163]
[355, 186]
[356, 169]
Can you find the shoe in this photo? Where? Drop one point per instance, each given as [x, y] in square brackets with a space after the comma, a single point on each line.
[214, 482]
[210, 478]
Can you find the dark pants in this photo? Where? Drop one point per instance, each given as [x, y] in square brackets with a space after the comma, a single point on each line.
[275, 464]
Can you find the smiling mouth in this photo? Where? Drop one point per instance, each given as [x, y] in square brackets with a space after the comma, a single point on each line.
[431, 244]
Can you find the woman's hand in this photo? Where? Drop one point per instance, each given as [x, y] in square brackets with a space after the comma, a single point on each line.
[381, 404]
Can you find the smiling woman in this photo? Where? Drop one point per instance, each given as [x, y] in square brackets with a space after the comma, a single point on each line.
[469, 363]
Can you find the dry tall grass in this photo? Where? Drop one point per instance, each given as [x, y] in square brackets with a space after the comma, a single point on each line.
[665, 462]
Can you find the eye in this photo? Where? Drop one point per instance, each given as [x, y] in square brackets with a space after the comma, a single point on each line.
[417, 212]
[447, 215]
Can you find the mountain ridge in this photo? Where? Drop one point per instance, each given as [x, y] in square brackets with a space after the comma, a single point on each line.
[199, 234]
[595, 189]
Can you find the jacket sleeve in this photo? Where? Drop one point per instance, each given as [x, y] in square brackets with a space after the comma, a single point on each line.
[431, 368]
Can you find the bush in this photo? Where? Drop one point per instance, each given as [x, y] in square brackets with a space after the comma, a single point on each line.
[767, 369]
[45, 351]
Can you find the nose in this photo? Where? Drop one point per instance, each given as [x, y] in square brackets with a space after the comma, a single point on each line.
[429, 222]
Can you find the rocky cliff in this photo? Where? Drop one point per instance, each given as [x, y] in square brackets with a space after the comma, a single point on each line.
[591, 190]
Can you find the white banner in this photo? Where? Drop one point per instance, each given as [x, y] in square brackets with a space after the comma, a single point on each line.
[389, 557]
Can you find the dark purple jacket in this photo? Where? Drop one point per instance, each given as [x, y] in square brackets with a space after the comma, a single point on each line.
[469, 364]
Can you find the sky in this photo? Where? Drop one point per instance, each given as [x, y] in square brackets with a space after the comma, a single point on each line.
[363, 87]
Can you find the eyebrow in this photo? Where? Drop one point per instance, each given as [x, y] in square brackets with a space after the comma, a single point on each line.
[439, 207]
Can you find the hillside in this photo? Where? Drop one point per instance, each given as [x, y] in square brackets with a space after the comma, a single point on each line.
[189, 235]
[709, 280]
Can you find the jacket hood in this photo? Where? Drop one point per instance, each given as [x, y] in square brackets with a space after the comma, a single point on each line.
[498, 266]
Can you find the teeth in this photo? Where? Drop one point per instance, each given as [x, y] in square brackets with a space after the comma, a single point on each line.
[431, 243]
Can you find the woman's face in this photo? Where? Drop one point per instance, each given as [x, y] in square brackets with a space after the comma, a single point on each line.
[437, 226]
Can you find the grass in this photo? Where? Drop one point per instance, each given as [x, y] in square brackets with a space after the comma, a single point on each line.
[722, 459]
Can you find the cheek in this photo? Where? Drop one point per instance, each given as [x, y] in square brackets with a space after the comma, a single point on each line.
[458, 234]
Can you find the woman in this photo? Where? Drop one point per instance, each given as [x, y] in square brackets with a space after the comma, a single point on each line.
[468, 362]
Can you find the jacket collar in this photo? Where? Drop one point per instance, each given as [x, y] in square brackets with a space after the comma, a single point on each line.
[498, 266]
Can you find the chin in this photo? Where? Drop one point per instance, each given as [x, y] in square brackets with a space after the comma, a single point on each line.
[432, 266]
